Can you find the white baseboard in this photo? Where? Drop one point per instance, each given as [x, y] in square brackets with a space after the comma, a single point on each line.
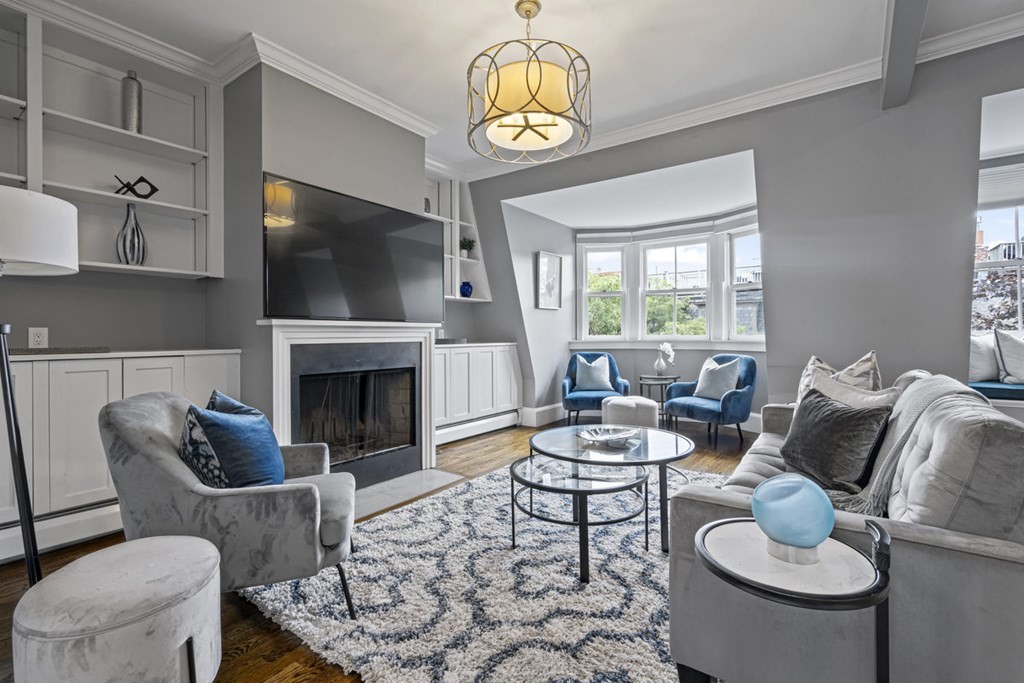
[465, 430]
[545, 415]
[1014, 409]
[60, 531]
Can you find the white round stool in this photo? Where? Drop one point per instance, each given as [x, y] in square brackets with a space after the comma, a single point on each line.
[635, 411]
[145, 610]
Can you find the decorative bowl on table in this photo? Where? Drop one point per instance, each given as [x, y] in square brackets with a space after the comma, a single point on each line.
[612, 437]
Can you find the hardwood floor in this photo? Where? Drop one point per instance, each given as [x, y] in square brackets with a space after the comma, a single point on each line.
[254, 648]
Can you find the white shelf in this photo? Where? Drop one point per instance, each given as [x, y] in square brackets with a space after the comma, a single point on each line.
[11, 178]
[73, 193]
[467, 224]
[469, 300]
[109, 135]
[11, 107]
[466, 259]
[142, 270]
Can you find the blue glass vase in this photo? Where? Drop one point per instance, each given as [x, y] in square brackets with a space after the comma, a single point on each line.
[793, 511]
[466, 289]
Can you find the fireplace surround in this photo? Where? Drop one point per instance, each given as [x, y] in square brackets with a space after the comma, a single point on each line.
[360, 387]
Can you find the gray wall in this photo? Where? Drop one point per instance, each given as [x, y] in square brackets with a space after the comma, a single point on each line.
[866, 216]
[314, 137]
[124, 312]
[544, 352]
[277, 123]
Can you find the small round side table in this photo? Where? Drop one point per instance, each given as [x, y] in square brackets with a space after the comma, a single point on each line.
[844, 578]
[662, 382]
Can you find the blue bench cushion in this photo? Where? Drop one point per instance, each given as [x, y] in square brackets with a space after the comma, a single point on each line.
[583, 399]
[1013, 392]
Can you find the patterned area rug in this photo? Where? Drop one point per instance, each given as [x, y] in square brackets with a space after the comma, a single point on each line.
[442, 596]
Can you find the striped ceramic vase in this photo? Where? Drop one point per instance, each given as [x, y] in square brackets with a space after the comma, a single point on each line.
[131, 243]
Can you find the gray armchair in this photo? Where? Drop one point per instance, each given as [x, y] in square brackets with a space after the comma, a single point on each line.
[265, 534]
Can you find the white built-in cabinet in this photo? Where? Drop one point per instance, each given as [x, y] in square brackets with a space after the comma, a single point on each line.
[58, 399]
[474, 384]
[448, 200]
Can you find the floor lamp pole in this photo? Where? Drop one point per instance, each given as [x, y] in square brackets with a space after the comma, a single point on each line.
[28, 530]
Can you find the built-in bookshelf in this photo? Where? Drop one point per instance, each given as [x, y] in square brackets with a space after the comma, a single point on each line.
[449, 201]
[61, 134]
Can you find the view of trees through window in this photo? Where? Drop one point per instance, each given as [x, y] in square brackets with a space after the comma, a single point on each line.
[997, 271]
[675, 290]
[604, 293]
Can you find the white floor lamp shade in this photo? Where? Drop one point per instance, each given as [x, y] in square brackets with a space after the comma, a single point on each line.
[38, 234]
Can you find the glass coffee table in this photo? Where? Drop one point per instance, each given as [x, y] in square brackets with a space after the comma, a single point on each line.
[580, 481]
[649, 447]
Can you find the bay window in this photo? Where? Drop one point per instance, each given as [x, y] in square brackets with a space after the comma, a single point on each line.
[675, 291]
[603, 293]
[746, 291]
[997, 271]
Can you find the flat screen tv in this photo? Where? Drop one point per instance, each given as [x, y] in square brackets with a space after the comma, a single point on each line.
[331, 256]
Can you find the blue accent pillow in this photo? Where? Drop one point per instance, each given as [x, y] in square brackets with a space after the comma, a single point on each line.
[231, 449]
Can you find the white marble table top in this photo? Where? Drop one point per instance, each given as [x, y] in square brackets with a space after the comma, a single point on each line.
[740, 548]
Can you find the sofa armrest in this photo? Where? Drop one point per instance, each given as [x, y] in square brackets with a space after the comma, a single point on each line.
[265, 534]
[305, 460]
[680, 389]
[776, 417]
[950, 605]
[566, 387]
[736, 405]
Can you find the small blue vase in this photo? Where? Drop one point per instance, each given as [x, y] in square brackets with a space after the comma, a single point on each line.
[466, 289]
[794, 511]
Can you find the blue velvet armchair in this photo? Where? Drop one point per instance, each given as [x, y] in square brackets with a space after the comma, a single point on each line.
[734, 408]
[574, 400]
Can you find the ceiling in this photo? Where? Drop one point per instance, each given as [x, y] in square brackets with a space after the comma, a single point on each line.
[650, 59]
[700, 189]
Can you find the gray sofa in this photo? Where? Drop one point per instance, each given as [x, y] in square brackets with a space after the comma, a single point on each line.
[265, 534]
[956, 517]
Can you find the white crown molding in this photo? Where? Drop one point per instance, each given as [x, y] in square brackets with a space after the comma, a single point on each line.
[238, 59]
[111, 33]
[437, 167]
[972, 37]
[306, 71]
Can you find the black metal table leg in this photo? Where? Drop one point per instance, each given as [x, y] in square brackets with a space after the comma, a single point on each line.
[584, 539]
[663, 504]
[575, 500]
[647, 516]
[190, 651]
[882, 642]
[512, 482]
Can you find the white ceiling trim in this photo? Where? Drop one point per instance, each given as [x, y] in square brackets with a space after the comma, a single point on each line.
[111, 33]
[770, 97]
[971, 37]
[248, 52]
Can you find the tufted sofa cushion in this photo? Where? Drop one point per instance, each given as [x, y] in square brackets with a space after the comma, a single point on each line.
[963, 469]
[761, 462]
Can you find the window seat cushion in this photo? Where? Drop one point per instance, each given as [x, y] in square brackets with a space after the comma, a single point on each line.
[1012, 392]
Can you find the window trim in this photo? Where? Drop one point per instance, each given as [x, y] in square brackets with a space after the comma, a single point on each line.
[583, 324]
[648, 245]
[732, 287]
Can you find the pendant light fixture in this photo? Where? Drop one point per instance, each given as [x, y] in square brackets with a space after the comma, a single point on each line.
[529, 99]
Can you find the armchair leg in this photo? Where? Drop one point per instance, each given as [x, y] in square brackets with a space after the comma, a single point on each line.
[740, 432]
[688, 675]
[348, 593]
[715, 445]
[709, 429]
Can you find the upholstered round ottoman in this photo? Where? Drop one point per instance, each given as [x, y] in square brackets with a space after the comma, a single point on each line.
[629, 410]
[145, 610]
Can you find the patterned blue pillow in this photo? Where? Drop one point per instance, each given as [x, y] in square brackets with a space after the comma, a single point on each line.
[231, 449]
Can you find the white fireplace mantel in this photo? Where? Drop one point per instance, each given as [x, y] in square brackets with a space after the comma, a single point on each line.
[286, 333]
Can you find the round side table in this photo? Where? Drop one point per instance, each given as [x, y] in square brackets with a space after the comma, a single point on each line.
[844, 578]
[648, 383]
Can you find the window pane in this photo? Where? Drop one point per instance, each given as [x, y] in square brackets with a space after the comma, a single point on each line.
[995, 236]
[605, 313]
[691, 314]
[661, 268]
[746, 258]
[692, 266]
[749, 312]
[995, 299]
[660, 315]
[604, 271]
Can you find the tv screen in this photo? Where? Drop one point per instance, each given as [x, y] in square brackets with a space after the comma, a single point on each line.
[332, 256]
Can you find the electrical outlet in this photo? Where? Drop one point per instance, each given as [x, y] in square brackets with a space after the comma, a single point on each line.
[38, 337]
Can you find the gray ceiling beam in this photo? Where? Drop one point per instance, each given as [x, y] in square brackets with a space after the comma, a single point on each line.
[904, 22]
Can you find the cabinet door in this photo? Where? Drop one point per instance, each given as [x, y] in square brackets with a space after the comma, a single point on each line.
[78, 465]
[506, 388]
[482, 387]
[21, 377]
[440, 401]
[203, 374]
[460, 385]
[142, 375]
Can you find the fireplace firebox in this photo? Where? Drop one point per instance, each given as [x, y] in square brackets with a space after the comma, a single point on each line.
[362, 401]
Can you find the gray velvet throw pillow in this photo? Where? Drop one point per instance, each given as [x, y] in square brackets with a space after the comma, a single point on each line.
[833, 443]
